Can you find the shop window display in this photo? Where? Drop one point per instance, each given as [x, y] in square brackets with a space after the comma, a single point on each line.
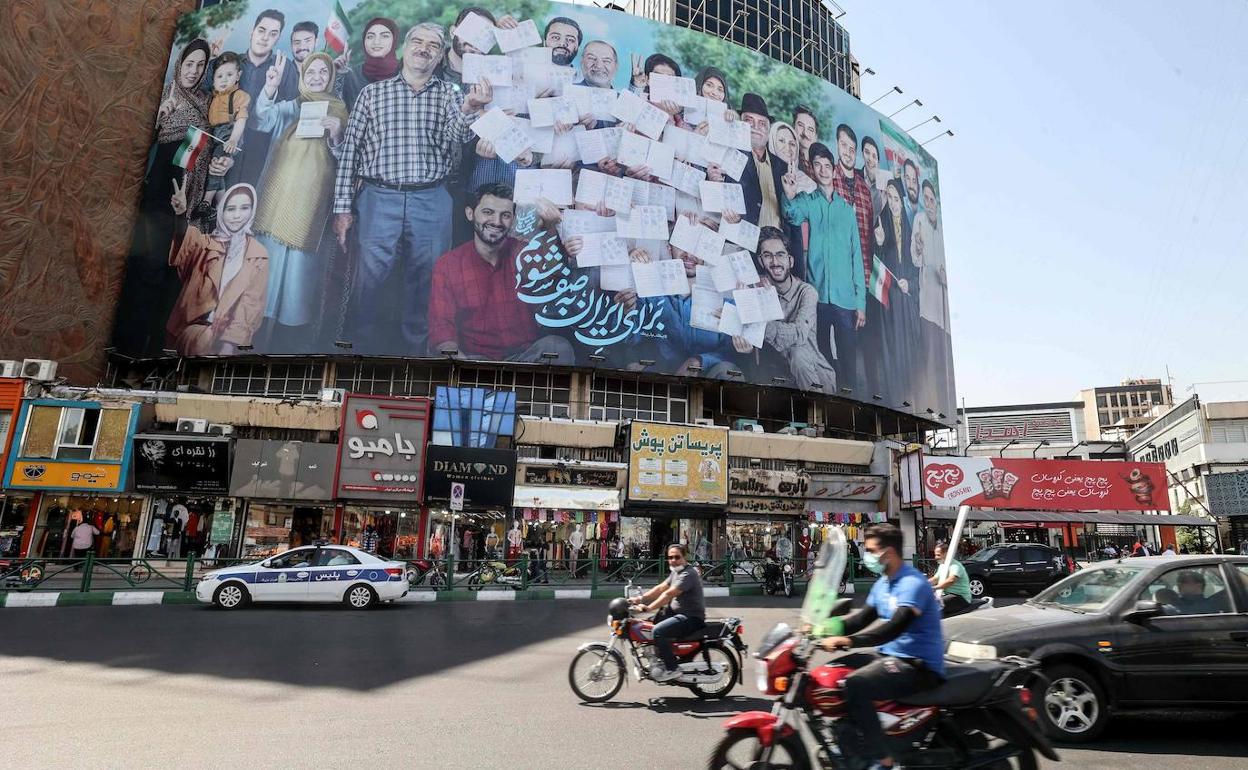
[390, 533]
[184, 525]
[275, 528]
[14, 510]
[115, 518]
[570, 540]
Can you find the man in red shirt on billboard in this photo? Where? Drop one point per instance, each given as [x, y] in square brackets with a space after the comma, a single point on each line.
[473, 308]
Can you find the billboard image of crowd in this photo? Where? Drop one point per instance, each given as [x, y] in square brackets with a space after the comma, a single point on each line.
[532, 182]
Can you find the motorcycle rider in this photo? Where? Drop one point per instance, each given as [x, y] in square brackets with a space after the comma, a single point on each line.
[681, 594]
[911, 648]
[954, 582]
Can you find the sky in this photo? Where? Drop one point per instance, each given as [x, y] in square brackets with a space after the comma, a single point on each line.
[1093, 193]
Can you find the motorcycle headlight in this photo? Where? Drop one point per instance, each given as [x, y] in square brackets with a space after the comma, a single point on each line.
[967, 651]
[788, 569]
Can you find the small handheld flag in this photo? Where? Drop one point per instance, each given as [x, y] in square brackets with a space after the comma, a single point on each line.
[881, 281]
[194, 143]
[337, 29]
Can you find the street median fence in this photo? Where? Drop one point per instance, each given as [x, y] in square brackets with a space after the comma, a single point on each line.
[89, 580]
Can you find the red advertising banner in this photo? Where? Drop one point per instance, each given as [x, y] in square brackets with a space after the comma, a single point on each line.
[1062, 485]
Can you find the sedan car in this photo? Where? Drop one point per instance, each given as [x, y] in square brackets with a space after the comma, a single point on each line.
[1013, 568]
[323, 573]
[1145, 633]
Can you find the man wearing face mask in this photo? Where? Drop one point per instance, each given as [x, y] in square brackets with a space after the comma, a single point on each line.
[911, 651]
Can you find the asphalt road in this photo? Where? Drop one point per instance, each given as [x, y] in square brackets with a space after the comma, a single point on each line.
[448, 685]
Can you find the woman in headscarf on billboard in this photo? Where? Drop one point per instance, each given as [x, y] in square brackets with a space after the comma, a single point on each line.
[381, 36]
[711, 85]
[150, 284]
[224, 277]
[899, 320]
[661, 64]
[298, 189]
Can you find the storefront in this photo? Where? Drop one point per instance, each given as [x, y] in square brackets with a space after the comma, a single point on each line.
[767, 514]
[77, 454]
[380, 477]
[287, 488]
[850, 502]
[16, 510]
[677, 488]
[188, 479]
[565, 514]
[483, 482]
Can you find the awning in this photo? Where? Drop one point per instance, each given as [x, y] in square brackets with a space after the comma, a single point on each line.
[1073, 517]
[570, 498]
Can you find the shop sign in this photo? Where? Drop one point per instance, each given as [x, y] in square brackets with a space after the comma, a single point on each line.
[835, 487]
[222, 527]
[283, 470]
[677, 463]
[763, 483]
[382, 447]
[1060, 485]
[571, 477]
[179, 464]
[53, 474]
[779, 505]
[488, 475]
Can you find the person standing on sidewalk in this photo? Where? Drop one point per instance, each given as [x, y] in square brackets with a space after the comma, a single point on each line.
[82, 539]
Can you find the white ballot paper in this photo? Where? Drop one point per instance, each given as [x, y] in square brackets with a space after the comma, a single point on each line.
[723, 276]
[733, 163]
[615, 277]
[636, 151]
[687, 179]
[598, 144]
[489, 126]
[576, 222]
[543, 138]
[593, 188]
[722, 196]
[669, 88]
[496, 69]
[310, 115]
[553, 184]
[684, 143]
[598, 102]
[524, 35]
[476, 31]
[643, 222]
[657, 279]
[758, 305]
[552, 110]
[662, 195]
[699, 240]
[514, 141]
[742, 267]
[743, 233]
[645, 117]
[707, 304]
[602, 249]
[730, 320]
[754, 333]
[734, 133]
[563, 152]
[702, 110]
[528, 58]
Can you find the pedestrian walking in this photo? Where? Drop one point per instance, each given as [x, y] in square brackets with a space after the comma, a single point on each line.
[82, 539]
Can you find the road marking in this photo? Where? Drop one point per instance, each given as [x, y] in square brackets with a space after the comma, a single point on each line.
[573, 593]
[137, 597]
[32, 599]
[496, 596]
[716, 591]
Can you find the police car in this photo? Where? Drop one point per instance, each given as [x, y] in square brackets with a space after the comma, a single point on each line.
[321, 573]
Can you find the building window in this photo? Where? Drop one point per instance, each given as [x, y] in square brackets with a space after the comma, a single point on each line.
[538, 393]
[268, 379]
[76, 437]
[614, 398]
[392, 379]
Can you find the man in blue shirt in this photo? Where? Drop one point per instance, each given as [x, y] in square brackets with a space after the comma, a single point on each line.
[911, 648]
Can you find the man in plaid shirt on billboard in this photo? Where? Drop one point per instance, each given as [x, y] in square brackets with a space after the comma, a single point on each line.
[474, 310]
[398, 150]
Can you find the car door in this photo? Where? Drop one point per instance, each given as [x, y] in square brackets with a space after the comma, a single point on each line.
[331, 570]
[285, 578]
[1039, 568]
[1005, 568]
[1238, 572]
[1188, 654]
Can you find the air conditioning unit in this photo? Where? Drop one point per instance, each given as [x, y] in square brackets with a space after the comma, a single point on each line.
[705, 422]
[192, 425]
[747, 425]
[787, 430]
[10, 368]
[809, 432]
[39, 369]
[219, 429]
[332, 395]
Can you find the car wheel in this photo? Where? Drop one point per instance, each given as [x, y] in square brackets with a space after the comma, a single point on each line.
[979, 587]
[231, 596]
[360, 597]
[1073, 704]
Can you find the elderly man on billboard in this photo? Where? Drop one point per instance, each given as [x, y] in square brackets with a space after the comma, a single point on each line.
[793, 338]
[473, 308]
[760, 181]
[398, 151]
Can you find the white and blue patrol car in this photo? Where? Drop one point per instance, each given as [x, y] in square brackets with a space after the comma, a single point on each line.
[321, 573]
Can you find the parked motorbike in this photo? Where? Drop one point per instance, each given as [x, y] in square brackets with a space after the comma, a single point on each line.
[495, 572]
[711, 660]
[778, 577]
[21, 573]
[420, 570]
[980, 717]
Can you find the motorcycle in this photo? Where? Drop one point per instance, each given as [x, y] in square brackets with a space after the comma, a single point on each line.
[778, 577]
[982, 603]
[711, 659]
[21, 573]
[980, 717]
[418, 570]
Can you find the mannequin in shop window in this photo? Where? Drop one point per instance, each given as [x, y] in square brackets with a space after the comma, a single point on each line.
[703, 550]
[803, 546]
[784, 546]
[437, 544]
[514, 540]
[491, 544]
[370, 539]
[576, 541]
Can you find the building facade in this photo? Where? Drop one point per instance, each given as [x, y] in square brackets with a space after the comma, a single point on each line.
[1116, 411]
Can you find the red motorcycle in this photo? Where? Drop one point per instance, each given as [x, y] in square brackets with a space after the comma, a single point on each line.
[711, 660]
[981, 717]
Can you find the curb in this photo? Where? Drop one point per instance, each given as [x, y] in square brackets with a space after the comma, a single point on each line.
[132, 598]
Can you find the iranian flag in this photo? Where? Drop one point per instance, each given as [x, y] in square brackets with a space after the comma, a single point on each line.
[881, 281]
[337, 29]
[194, 143]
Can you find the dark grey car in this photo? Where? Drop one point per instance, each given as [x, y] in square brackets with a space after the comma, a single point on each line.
[1154, 632]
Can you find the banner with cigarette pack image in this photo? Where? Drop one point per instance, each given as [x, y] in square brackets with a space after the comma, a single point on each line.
[532, 182]
[1052, 485]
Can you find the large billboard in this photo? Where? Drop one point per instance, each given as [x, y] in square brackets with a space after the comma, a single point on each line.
[1047, 485]
[533, 182]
